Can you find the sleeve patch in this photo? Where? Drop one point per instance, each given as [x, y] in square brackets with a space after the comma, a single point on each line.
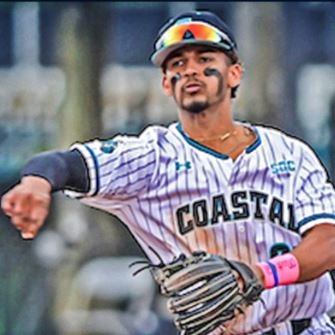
[109, 146]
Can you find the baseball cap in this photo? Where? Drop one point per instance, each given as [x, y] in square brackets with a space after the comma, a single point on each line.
[195, 27]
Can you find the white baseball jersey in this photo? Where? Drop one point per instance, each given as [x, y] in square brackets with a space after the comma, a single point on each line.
[178, 196]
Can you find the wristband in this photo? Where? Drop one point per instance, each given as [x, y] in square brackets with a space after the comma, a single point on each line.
[280, 270]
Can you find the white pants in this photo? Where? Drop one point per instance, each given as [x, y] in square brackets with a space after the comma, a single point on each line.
[320, 325]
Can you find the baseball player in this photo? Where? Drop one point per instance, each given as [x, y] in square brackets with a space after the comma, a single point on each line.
[207, 182]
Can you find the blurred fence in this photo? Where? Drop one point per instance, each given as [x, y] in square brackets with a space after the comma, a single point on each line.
[40, 273]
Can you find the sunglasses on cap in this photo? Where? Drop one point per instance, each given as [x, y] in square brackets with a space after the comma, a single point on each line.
[194, 31]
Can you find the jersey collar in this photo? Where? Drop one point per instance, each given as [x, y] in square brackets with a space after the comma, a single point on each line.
[201, 147]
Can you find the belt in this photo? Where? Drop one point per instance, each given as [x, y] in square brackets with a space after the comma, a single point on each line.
[298, 326]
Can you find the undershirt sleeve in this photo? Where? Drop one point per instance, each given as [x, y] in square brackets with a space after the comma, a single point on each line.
[62, 169]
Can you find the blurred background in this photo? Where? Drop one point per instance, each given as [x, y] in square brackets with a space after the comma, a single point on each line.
[72, 71]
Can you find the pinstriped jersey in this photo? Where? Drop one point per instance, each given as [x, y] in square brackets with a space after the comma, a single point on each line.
[177, 196]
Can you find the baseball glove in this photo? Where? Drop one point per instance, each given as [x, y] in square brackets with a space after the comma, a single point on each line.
[204, 290]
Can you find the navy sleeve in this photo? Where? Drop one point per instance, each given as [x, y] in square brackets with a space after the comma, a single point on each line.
[62, 169]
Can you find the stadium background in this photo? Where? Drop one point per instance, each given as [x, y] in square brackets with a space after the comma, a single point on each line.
[74, 71]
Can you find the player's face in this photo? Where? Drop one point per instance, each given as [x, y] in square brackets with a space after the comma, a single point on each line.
[199, 77]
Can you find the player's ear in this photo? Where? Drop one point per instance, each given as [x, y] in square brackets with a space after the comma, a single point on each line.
[235, 74]
[166, 84]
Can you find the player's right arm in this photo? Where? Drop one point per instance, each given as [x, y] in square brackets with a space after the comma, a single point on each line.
[27, 203]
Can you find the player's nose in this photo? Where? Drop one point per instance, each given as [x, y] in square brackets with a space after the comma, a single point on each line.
[191, 68]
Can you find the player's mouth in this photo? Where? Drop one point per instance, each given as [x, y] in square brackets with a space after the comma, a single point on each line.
[192, 87]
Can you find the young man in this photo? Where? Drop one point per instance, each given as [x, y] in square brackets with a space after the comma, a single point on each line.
[209, 183]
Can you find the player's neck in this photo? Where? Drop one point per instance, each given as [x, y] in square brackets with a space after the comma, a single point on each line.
[222, 135]
[207, 124]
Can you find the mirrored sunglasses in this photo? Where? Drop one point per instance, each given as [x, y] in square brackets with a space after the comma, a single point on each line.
[195, 31]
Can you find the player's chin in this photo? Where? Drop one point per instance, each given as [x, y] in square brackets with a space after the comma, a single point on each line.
[195, 106]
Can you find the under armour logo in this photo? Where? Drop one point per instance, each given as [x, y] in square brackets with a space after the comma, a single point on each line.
[186, 165]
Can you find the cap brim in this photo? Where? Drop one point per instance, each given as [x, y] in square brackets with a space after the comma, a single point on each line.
[159, 57]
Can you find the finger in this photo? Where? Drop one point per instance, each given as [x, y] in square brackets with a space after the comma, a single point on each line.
[30, 231]
[22, 204]
[28, 213]
[32, 224]
[16, 205]
[39, 210]
[19, 222]
[27, 208]
[28, 228]
[32, 207]
[27, 235]
[7, 203]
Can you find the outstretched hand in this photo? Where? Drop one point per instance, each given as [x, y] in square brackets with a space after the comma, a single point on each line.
[27, 204]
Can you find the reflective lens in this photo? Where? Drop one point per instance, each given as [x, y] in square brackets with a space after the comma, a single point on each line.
[197, 31]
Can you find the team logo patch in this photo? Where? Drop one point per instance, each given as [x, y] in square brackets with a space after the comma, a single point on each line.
[278, 249]
[109, 146]
[283, 166]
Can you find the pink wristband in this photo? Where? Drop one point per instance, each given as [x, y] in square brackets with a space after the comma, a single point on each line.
[269, 280]
[280, 270]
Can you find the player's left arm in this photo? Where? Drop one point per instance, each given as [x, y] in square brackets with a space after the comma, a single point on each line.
[314, 256]
[314, 207]
[316, 252]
